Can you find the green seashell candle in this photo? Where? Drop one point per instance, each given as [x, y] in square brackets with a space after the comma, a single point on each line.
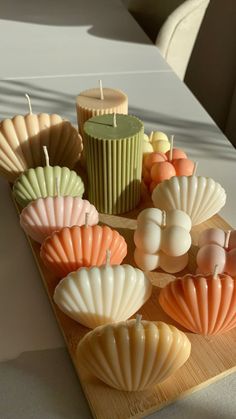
[46, 181]
[113, 149]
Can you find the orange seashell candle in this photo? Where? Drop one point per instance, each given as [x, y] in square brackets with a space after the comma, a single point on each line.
[71, 248]
[203, 304]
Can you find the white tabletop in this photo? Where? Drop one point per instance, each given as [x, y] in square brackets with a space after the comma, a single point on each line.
[35, 370]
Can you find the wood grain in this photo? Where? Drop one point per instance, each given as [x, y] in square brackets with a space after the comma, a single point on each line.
[211, 358]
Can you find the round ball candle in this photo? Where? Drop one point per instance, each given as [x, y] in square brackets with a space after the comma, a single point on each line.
[133, 355]
[113, 149]
[100, 101]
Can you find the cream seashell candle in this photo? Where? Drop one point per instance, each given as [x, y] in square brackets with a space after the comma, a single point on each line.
[133, 355]
[95, 296]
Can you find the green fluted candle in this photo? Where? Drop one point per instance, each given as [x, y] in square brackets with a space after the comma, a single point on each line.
[114, 161]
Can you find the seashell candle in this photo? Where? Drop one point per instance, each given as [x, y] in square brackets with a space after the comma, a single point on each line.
[74, 247]
[42, 182]
[113, 149]
[198, 196]
[22, 139]
[133, 355]
[99, 295]
[45, 215]
[204, 304]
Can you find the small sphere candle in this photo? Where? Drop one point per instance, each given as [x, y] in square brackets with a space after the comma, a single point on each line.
[114, 162]
[133, 355]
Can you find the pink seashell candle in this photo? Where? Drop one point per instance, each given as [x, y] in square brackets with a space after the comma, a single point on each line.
[45, 215]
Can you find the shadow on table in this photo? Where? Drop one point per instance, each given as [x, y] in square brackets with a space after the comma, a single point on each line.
[201, 138]
[101, 20]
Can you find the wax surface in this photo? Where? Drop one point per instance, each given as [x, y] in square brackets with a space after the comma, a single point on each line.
[96, 296]
[91, 99]
[132, 357]
[102, 127]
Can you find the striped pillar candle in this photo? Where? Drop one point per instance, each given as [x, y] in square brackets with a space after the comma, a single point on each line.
[113, 149]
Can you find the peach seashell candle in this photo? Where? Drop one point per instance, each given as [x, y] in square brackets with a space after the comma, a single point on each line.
[22, 139]
[45, 215]
[100, 295]
[133, 355]
[202, 304]
[74, 247]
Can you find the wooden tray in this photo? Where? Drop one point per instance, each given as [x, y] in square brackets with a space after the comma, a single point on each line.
[211, 358]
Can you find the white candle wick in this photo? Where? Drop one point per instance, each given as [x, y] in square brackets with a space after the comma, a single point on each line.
[101, 90]
[216, 271]
[108, 257]
[114, 120]
[227, 237]
[86, 219]
[57, 186]
[29, 103]
[195, 168]
[45, 150]
[171, 147]
[138, 319]
[151, 136]
[163, 218]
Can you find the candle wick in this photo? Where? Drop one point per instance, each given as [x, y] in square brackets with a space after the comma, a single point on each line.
[45, 150]
[86, 219]
[195, 168]
[114, 120]
[163, 218]
[171, 147]
[57, 186]
[101, 90]
[215, 272]
[227, 237]
[138, 319]
[108, 257]
[150, 137]
[29, 103]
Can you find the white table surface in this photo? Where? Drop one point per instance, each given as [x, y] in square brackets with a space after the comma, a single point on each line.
[37, 379]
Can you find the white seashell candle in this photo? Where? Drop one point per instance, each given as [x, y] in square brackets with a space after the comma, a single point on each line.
[96, 296]
[200, 197]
